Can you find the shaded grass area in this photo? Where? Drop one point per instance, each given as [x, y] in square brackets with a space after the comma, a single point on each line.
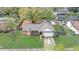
[17, 40]
[58, 28]
[68, 40]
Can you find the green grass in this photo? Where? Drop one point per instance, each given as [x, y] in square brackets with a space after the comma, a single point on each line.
[68, 40]
[18, 40]
[58, 28]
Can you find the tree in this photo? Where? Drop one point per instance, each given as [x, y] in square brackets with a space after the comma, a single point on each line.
[72, 12]
[42, 13]
[73, 9]
[24, 13]
[9, 11]
[11, 25]
[35, 14]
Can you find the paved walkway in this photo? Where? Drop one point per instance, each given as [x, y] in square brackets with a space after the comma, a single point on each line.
[49, 43]
[72, 28]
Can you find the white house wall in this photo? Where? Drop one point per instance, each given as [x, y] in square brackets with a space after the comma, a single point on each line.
[47, 32]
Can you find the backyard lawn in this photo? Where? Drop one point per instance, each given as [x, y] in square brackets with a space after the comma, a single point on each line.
[68, 40]
[18, 40]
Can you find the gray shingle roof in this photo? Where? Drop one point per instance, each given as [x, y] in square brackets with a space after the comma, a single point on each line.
[73, 18]
[37, 27]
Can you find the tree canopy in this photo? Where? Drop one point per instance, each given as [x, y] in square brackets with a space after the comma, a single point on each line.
[35, 13]
[73, 9]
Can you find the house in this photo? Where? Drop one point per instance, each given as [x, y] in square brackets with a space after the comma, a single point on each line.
[73, 24]
[44, 28]
[60, 13]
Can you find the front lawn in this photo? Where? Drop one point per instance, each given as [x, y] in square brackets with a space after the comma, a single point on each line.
[18, 40]
[68, 40]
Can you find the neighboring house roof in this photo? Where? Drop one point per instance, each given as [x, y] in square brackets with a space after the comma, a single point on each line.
[61, 10]
[69, 24]
[74, 21]
[37, 27]
[73, 18]
[75, 24]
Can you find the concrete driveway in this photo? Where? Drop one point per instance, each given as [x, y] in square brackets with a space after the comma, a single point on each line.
[69, 25]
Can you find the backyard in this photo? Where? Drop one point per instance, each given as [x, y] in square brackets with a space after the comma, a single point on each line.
[18, 40]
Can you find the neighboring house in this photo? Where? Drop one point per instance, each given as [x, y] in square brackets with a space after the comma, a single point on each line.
[60, 14]
[73, 24]
[44, 28]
